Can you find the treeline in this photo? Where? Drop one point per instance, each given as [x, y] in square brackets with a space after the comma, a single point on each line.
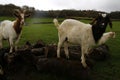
[66, 13]
[7, 10]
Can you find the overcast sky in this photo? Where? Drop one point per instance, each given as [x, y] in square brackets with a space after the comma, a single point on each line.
[102, 5]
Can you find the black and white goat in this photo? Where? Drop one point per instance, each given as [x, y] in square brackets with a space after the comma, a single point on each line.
[76, 32]
[11, 30]
[99, 25]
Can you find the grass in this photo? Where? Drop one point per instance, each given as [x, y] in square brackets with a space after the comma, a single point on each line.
[107, 70]
[46, 32]
[110, 69]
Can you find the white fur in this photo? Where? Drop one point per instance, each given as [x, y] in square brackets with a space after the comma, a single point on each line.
[104, 15]
[77, 32]
[105, 37]
[7, 32]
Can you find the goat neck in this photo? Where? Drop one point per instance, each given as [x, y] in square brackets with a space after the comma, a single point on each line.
[18, 26]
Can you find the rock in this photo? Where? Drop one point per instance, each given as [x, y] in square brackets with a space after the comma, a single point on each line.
[42, 58]
[100, 53]
[63, 67]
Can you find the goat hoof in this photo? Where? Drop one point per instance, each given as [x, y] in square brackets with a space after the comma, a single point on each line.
[84, 65]
[58, 56]
[67, 58]
[1, 70]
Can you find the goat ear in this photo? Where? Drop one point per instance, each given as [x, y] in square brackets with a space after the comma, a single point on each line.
[24, 11]
[27, 15]
[16, 13]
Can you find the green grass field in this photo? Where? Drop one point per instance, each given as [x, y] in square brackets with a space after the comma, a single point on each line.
[107, 70]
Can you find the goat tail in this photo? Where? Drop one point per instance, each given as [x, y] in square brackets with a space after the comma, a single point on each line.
[56, 23]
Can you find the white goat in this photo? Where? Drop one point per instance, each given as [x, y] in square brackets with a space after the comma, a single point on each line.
[76, 32]
[11, 30]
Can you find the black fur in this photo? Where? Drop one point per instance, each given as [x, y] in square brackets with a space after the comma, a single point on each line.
[99, 27]
[66, 39]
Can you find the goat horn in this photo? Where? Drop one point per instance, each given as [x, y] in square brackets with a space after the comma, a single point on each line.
[24, 10]
[17, 10]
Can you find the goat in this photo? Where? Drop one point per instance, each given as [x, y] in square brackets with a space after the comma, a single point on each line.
[99, 25]
[11, 30]
[76, 32]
